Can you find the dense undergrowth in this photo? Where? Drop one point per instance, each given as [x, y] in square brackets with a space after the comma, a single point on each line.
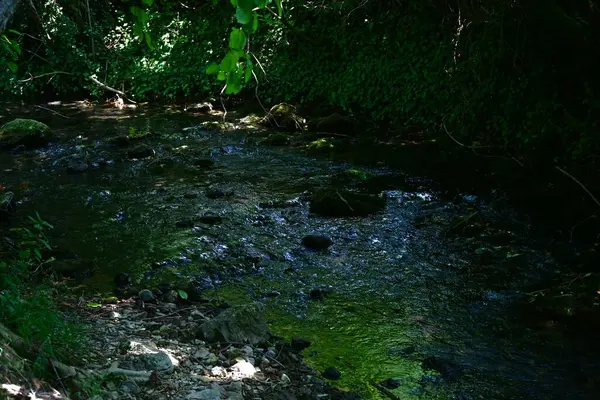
[516, 79]
[28, 305]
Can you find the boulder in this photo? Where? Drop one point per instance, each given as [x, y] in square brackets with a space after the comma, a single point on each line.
[275, 139]
[334, 123]
[317, 242]
[239, 324]
[140, 151]
[335, 203]
[26, 132]
[284, 117]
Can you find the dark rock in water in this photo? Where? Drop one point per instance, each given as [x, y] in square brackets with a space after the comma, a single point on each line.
[332, 373]
[203, 162]
[190, 195]
[283, 117]
[333, 203]
[27, 132]
[273, 293]
[77, 164]
[120, 141]
[390, 383]
[317, 242]
[242, 324]
[446, 368]
[299, 344]
[210, 219]
[122, 279]
[275, 139]
[7, 205]
[334, 123]
[215, 193]
[185, 223]
[140, 151]
[317, 294]
[146, 295]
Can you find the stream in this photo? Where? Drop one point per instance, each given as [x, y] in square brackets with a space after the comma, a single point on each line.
[426, 294]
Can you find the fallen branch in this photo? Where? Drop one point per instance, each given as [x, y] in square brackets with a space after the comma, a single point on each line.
[106, 87]
[53, 112]
[580, 184]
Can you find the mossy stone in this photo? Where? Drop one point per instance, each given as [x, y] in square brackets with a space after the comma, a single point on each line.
[27, 132]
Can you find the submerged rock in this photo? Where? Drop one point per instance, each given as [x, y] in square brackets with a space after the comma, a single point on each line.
[141, 151]
[332, 373]
[210, 219]
[334, 203]
[299, 344]
[146, 295]
[240, 324]
[77, 164]
[317, 242]
[203, 162]
[27, 132]
[7, 205]
[276, 139]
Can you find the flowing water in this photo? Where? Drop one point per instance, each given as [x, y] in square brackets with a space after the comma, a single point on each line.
[426, 292]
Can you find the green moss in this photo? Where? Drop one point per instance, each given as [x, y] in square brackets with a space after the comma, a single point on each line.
[26, 132]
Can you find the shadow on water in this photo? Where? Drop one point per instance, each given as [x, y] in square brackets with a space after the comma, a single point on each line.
[427, 293]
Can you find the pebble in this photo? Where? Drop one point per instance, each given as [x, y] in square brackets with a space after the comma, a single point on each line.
[332, 373]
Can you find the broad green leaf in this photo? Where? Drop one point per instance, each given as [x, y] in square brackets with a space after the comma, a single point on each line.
[15, 32]
[12, 66]
[234, 3]
[229, 61]
[255, 23]
[148, 39]
[212, 69]
[243, 16]
[279, 7]
[237, 39]
[221, 76]
[148, 2]
[182, 294]
[261, 3]
[94, 305]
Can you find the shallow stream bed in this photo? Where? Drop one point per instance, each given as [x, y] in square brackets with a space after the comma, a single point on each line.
[426, 293]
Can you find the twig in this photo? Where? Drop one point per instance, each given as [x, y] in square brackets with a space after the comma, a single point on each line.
[273, 359]
[31, 77]
[171, 314]
[345, 201]
[60, 379]
[53, 112]
[580, 184]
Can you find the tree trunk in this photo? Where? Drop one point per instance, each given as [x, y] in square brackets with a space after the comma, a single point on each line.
[7, 9]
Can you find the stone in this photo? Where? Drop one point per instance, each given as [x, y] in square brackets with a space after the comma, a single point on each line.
[140, 151]
[210, 219]
[215, 193]
[203, 163]
[334, 203]
[171, 296]
[275, 139]
[130, 387]
[284, 117]
[157, 361]
[390, 383]
[27, 132]
[206, 394]
[316, 242]
[299, 344]
[243, 369]
[146, 295]
[7, 205]
[185, 223]
[77, 164]
[239, 324]
[332, 373]
[190, 195]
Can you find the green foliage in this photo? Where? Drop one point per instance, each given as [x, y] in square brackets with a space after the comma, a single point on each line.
[10, 51]
[26, 298]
